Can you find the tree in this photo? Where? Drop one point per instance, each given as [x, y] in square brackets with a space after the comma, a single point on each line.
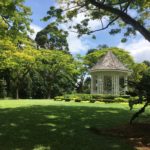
[117, 11]
[18, 63]
[146, 62]
[91, 59]
[14, 19]
[52, 38]
[58, 71]
[99, 47]
[144, 85]
[135, 78]
[81, 67]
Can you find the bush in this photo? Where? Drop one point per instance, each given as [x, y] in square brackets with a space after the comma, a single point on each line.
[59, 98]
[77, 100]
[92, 101]
[93, 98]
[125, 96]
[108, 100]
[120, 99]
[96, 96]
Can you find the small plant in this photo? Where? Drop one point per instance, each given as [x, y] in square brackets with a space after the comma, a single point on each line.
[77, 100]
[59, 98]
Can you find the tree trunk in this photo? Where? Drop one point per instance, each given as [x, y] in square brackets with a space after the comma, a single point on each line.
[17, 93]
[125, 17]
[139, 112]
[49, 95]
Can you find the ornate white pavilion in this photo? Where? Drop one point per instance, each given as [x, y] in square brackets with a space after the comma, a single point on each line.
[109, 76]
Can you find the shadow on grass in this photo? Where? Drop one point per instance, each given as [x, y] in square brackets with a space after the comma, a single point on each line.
[60, 128]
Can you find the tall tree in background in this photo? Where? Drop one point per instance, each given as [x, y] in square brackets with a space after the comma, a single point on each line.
[18, 64]
[58, 70]
[51, 37]
[91, 59]
[116, 11]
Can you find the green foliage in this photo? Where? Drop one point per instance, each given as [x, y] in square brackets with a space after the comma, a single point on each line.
[36, 73]
[145, 83]
[14, 19]
[135, 87]
[91, 59]
[94, 97]
[117, 12]
[52, 38]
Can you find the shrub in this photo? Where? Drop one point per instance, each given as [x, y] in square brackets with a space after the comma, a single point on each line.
[77, 100]
[125, 96]
[96, 97]
[92, 101]
[59, 98]
[120, 99]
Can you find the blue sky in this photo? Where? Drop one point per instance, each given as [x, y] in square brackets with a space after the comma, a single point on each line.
[138, 47]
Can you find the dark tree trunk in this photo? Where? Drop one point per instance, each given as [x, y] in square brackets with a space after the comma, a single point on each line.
[17, 93]
[139, 112]
[49, 95]
[125, 17]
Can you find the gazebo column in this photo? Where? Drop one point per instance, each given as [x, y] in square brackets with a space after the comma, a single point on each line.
[116, 84]
[92, 84]
[100, 85]
[118, 90]
[113, 85]
[125, 84]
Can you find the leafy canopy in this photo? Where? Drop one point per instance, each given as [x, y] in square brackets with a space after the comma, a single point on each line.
[91, 59]
[14, 19]
[51, 37]
[117, 12]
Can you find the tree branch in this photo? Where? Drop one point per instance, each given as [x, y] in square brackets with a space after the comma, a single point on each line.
[103, 28]
[124, 16]
[5, 21]
[139, 112]
[111, 22]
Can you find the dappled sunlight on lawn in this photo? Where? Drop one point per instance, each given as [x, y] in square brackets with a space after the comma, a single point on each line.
[61, 126]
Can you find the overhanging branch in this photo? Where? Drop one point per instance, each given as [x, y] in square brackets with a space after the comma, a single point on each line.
[103, 28]
[124, 16]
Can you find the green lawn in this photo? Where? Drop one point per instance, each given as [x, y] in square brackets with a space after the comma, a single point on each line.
[49, 125]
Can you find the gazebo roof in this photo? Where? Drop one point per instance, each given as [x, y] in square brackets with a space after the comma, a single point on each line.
[109, 62]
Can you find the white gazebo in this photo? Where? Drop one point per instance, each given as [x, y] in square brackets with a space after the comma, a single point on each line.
[109, 76]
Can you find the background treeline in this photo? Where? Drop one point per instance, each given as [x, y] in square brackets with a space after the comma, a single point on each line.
[28, 72]
[32, 73]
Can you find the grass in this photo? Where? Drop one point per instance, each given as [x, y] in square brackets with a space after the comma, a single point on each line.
[50, 125]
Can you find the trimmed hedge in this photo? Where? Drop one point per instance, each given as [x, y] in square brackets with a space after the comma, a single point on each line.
[93, 98]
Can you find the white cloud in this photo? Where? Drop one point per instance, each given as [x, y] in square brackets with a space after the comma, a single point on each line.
[36, 29]
[77, 45]
[139, 49]
[81, 45]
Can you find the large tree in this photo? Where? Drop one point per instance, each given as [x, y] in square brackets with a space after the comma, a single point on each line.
[17, 64]
[51, 37]
[59, 72]
[116, 11]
